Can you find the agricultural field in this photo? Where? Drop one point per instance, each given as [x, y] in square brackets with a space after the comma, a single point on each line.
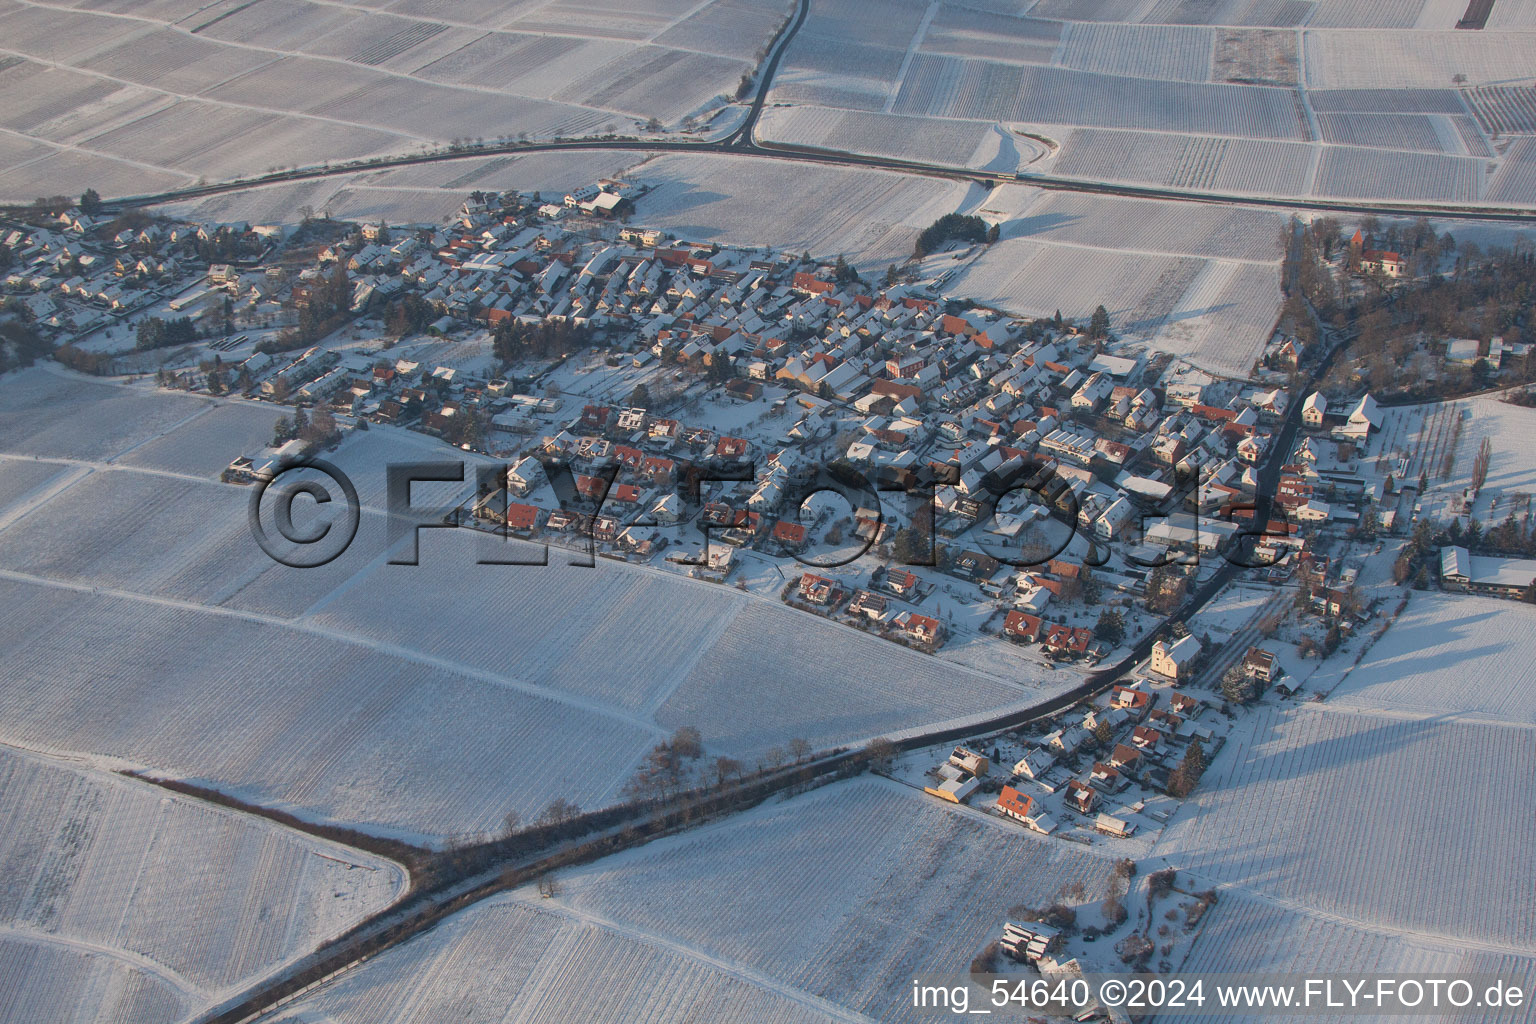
[732, 911]
[1448, 655]
[1244, 933]
[871, 217]
[418, 701]
[1349, 172]
[149, 97]
[1253, 166]
[1032, 278]
[1415, 60]
[1271, 809]
[95, 900]
[926, 139]
[1223, 321]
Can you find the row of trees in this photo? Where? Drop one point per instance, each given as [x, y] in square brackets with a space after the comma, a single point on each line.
[154, 332]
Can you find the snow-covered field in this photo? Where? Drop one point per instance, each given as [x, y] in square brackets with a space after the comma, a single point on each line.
[1244, 933]
[138, 98]
[822, 907]
[871, 217]
[142, 624]
[122, 903]
[1450, 655]
[1395, 823]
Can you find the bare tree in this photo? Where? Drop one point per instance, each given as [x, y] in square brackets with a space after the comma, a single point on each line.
[510, 823]
[881, 752]
[799, 749]
[558, 812]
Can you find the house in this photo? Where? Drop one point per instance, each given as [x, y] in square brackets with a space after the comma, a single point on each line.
[922, 628]
[968, 760]
[1081, 797]
[953, 784]
[1364, 418]
[790, 536]
[1021, 807]
[1314, 409]
[868, 604]
[901, 582]
[1131, 698]
[1124, 756]
[817, 589]
[1176, 660]
[1184, 704]
[1034, 764]
[1260, 664]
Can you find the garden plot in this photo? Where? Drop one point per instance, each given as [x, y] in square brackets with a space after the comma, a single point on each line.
[871, 217]
[1166, 52]
[1243, 934]
[779, 897]
[272, 24]
[510, 959]
[1223, 321]
[1356, 173]
[271, 204]
[1031, 278]
[1416, 60]
[1388, 101]
[1449, 655]
[1210, 163]
[1373, 818]
[170, 901]
[331, 728]
[1510, 430]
